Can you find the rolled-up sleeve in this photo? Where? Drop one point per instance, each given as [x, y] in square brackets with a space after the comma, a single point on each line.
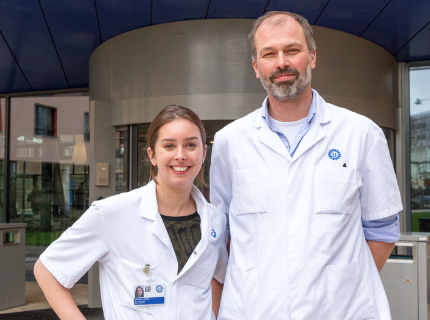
[78, 248]
[384, 230]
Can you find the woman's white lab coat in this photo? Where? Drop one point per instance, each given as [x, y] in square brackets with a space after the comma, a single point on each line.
[126, 232]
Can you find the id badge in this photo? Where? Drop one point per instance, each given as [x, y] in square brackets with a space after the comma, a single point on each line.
[149, 294]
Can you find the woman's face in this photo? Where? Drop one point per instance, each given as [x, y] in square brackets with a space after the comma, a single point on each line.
[139, 292]
[179, 153]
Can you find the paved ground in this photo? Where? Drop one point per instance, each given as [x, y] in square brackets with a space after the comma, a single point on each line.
[36, 307]
[49, 314]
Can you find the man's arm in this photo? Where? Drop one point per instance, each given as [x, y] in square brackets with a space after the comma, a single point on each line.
[380, 252]
[58, 297]
[220, 180]
[380, 199]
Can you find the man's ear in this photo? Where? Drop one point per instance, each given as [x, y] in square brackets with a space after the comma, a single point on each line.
[313, 59]
[254, 65]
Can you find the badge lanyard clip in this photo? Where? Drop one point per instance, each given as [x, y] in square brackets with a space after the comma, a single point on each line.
[146, 270]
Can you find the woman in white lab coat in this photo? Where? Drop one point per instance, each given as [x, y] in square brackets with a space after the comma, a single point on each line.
[163, 238]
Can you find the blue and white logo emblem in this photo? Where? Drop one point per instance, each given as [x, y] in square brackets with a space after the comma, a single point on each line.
[213, 233]
[334, 154]
[159, 289]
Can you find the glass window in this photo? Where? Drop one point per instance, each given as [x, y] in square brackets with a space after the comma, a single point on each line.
[2, 109]
[420, 148]
[45, 120]
[49, 168]
[143, 164]
[121, 160]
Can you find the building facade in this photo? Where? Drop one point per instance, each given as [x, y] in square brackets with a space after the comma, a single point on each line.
[53, 143]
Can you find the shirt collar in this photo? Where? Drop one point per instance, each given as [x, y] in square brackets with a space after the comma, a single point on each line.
[312, 110]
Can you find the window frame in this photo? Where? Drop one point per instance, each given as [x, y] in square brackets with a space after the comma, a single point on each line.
[52, 121]
[407, 123]
[87, 135]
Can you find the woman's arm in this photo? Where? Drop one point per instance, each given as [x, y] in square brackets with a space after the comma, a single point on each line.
[58, 297]
[216, 296]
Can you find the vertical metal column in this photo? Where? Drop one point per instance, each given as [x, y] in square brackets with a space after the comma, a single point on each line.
[422, 278]
[6, 162]
[133, 157]
[407, 220]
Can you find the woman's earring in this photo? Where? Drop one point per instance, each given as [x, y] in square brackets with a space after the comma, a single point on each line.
[203, 161]
[153, 163]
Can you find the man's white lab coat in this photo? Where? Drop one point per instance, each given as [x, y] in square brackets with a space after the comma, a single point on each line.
[297, 245]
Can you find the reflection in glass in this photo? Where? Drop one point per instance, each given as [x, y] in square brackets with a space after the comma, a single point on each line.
[45, 120]
[121, 160]
[420, 148]
[143, 164]
[49, 168]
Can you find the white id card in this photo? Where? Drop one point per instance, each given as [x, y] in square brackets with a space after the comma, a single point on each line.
[149, 294]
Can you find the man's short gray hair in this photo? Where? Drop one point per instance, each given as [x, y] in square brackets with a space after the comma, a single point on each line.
[309, 34]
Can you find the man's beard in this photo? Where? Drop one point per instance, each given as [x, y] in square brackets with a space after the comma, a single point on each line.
[290, 89]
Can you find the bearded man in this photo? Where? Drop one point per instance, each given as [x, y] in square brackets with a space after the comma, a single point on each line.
[309, 190]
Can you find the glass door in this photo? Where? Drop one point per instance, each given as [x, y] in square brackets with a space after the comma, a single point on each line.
[420, 148]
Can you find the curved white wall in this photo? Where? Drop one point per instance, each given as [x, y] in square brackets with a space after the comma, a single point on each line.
[206, 66]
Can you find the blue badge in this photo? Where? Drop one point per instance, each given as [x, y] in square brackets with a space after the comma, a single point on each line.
[153, 295]
[334, 154]
[213, 233]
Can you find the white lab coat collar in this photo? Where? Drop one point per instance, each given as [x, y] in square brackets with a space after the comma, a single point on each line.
[322, 114]
[149, 210]
[316, 133]
[205, 227]
[149, 207]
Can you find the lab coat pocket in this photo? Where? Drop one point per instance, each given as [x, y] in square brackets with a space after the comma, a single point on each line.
[239, 298]
[251, 190]
[348, 293]
[132, 275]
[334, 189]
[204, 268]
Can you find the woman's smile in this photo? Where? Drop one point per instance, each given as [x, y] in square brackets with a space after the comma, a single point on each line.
[180, 170]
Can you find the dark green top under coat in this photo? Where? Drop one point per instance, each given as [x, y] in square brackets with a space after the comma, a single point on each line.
[184, 233]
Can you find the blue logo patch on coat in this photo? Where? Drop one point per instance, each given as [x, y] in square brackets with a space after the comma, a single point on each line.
[159, 289]
[334, 154]
[213, 233]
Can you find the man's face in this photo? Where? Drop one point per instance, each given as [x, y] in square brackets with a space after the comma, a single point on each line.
[283, 61]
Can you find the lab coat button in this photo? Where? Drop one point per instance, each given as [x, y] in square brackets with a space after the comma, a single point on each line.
[195, 252]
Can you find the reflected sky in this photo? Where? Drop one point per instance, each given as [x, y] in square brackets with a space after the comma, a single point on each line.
[419, 89]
